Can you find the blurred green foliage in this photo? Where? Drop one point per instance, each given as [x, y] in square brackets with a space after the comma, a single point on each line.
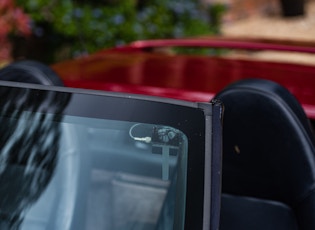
[87, 26]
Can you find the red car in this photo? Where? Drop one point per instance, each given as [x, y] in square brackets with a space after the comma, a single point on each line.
[268, 168]
[136, 68]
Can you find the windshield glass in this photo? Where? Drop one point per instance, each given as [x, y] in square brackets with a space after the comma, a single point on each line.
[73, 159]
[71, 172]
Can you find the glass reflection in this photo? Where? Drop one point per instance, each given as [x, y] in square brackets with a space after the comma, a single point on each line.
[29, 143]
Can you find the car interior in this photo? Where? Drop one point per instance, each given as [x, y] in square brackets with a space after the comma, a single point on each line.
[268, 169]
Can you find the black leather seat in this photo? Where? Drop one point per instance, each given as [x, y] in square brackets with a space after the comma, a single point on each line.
[268, 179]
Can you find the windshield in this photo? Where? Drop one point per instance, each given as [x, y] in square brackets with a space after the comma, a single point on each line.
[104, 174]
[76, 159]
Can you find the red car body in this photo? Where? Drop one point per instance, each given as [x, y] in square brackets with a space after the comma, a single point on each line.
[135, 69]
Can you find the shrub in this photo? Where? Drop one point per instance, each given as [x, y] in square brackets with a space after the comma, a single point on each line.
[90, 27]
[13, 21]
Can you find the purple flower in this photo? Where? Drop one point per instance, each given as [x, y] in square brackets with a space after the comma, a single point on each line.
[78, 13]
[118, 19]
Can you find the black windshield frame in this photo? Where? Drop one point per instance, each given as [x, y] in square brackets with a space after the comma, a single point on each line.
[189, 117]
